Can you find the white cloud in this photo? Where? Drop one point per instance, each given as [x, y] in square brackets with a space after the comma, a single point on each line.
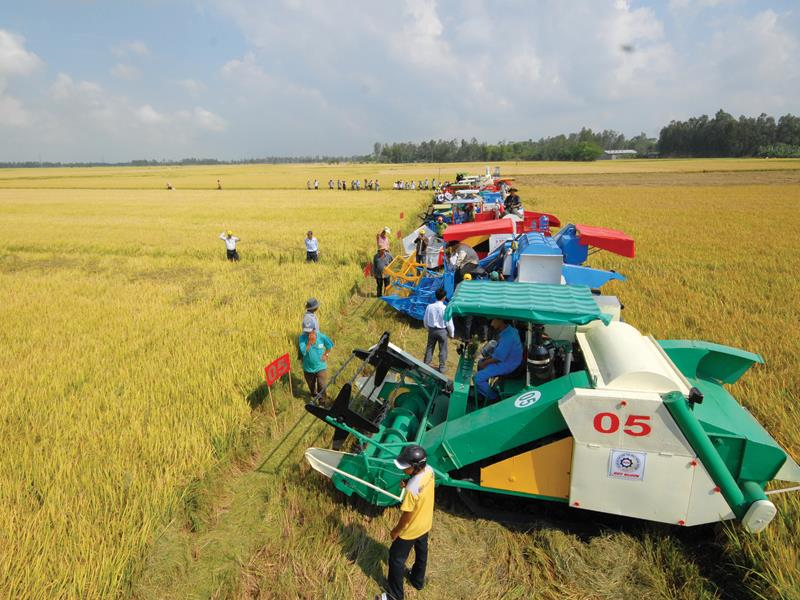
[207, 120]
[149, 116]
[126, 72]
[131, 48]
[192, 87]
[15, 61]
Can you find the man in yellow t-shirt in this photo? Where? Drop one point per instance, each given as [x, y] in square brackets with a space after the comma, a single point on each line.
[416, 521]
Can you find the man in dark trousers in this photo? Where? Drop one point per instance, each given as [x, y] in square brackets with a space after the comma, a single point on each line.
[379, 263]
[414, 525]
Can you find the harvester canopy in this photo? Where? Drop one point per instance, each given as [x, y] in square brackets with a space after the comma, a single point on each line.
[548, 304]
[612, 240]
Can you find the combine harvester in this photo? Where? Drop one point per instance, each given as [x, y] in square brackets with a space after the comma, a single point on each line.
[529, 255]
[598, 417]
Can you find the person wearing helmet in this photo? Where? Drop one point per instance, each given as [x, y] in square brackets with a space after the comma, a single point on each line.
[421, 246]
[414, 525]
[230, 245]
[383, 240]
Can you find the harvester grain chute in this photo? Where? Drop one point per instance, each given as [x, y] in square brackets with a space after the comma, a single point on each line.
[617, 422]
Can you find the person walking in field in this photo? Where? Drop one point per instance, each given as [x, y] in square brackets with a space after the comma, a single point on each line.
[379, 263]
[382, 239]
[312, 247]
[315, 347]
[416, 522]
[310, 318]
[438, 330]
[230, 245]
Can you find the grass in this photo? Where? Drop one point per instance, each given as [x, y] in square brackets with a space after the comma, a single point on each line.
[133, 351]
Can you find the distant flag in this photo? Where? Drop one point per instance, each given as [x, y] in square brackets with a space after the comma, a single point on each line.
[368, 270]
[402, 215]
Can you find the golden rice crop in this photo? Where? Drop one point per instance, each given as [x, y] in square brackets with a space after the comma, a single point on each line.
[129, 349]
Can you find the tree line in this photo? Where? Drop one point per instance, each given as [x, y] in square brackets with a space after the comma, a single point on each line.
[582, 146]
[725, 136]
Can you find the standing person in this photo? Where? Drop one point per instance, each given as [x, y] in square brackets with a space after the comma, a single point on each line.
[230, 245]
[440, 226]
[382, 239]
[377, 186]
[505, 358]
[421, 246]
[310, 318]
[414, 525]
[312, 247]
[438, 330]
[219, 184]
[316, 184]
[308, 184]
[330, 184]
[344, 185]
[379, 263]
[314, 348]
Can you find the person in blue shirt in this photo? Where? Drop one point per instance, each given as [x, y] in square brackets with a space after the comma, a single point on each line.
[314, 348]
[505, 358]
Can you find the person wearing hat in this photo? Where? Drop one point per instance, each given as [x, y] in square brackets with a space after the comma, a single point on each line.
[463, 257]
[314, 347]
[379, 263]
[513, 205]
[383, 240]
[310, 319]
[505, 358]
[440, 226]
[312, 247]
[414, 525]
[230, 245]
[421, 246]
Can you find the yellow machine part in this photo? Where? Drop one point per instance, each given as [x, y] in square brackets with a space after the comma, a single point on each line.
[403, 270]
[475, 240]
[543, 471]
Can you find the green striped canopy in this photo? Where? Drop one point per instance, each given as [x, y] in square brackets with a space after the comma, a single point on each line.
[544, 303]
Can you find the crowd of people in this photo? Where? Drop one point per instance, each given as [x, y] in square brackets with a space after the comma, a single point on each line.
[421, 184]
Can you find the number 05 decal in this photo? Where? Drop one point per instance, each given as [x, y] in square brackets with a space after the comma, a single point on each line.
[635, 425]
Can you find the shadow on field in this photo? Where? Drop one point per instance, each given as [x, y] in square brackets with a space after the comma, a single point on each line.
[702, 545]
[358, 547]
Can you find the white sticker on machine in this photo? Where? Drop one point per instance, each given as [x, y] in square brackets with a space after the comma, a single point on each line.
[624, 464]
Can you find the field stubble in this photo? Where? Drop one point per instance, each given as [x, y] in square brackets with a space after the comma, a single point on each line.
[132, 353]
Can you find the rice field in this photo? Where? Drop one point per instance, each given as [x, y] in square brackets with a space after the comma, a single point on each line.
[133, 351]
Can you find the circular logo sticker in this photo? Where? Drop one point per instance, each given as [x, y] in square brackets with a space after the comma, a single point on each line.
[627, 463]
[528, 399]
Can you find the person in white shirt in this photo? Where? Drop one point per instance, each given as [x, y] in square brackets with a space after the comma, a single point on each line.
[230, 245]
[312, 247]
[438, 330]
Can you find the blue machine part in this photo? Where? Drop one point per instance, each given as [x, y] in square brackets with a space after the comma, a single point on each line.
[592, 278]
[419, 297]
[491, 197]
[569, 242]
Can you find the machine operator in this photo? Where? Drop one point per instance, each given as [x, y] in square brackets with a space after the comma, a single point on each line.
[505, 359]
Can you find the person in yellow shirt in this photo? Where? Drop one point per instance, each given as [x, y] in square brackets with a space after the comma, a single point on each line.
[412, 529]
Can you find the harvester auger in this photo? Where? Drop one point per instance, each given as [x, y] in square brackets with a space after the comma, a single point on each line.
[598, 416]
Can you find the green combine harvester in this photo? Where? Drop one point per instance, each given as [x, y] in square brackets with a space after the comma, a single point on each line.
[598, 416]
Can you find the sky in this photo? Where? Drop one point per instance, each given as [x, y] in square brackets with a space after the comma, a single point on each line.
[119, 80]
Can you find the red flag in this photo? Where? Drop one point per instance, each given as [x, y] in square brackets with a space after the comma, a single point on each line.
[399, 235]
[402, 215]
[368, 270]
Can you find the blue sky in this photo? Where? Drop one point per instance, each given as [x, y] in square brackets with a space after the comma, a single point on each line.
[114, 81]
